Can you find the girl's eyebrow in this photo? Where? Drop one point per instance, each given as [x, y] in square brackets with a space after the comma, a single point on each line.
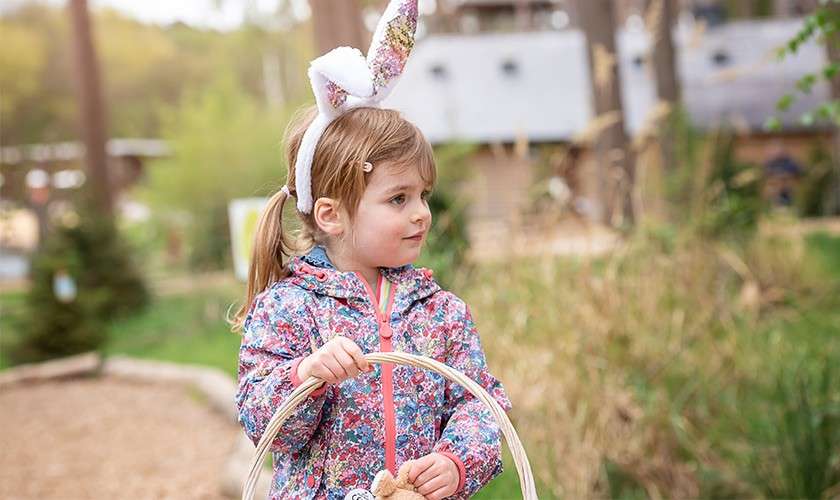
[401, 187]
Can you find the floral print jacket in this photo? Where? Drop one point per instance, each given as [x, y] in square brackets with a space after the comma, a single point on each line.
[342, 435]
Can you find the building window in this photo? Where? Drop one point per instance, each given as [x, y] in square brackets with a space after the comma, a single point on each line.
[510, 68]
[720, 57]
[438, 71]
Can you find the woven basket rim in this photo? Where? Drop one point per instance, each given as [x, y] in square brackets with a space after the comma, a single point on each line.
[523, 466]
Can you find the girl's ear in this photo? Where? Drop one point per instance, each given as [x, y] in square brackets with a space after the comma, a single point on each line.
[328, 216]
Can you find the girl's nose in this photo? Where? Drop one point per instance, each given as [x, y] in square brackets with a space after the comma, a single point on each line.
[421, 215]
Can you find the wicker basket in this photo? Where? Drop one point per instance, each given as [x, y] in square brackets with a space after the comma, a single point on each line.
[523, 467]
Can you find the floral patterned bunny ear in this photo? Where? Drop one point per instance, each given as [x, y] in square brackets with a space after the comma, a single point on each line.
[392, 43]
[343, 79]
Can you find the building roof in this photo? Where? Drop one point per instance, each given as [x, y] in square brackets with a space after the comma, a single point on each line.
[71, 151]
[495, 87]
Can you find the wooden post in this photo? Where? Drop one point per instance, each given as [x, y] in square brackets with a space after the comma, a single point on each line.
[744, 9]
[612, 148]
[661, 15]
[337, 23]
[92, 108]
[832, 45]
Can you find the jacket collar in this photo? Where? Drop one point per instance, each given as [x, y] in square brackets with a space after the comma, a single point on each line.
[315, 272]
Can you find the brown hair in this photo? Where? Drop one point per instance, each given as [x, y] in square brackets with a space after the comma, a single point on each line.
[360, 135]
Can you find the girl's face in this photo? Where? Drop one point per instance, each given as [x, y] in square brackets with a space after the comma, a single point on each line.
[393, 218]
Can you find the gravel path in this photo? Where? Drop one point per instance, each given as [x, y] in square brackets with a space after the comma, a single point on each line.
[108, 438]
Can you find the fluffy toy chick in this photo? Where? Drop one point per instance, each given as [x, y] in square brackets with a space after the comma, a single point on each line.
[386, 487]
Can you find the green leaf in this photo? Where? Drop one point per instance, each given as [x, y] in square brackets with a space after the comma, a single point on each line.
[806, 83]
[825, 111]
[834, 111]
[773, 124]
[784, 102]
[807, 119]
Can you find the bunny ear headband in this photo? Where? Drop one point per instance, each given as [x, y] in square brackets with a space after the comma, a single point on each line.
[343, 79]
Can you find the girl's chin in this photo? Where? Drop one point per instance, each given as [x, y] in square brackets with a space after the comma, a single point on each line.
[408, 256]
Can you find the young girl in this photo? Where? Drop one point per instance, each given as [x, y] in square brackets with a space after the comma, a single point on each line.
[356, 292]
[362, 177]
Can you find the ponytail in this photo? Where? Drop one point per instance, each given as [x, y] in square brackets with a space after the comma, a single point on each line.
[270, 246]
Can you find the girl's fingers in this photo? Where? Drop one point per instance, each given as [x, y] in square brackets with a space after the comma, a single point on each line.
[420, 465]
[355, 352]
[346, 362]
[342, 372]
[335, 370]
[427, 475]
[439, 494]
[323, 372]
[434, 484]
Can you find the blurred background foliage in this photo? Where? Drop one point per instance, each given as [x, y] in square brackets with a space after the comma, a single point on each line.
[224, 145]
[695, 360]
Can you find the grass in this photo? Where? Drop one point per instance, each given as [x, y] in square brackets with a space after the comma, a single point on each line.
[653, 372]
[826, 249]
[622, 388]
[506, 485]
[181, 329]
[186, 328]
[11, 307]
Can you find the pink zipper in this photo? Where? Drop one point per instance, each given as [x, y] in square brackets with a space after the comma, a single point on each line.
[385, 345]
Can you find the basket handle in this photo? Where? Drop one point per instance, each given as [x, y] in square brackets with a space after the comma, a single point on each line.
[523, 467]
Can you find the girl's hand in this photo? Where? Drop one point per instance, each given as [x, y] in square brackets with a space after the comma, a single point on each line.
[335, 362]
[435, 476]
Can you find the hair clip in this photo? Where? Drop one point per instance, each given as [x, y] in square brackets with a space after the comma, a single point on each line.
[367, 166]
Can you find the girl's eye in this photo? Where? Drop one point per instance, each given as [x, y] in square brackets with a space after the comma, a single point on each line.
[398, 200]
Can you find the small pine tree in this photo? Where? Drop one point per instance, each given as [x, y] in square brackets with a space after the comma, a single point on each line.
[89, 257]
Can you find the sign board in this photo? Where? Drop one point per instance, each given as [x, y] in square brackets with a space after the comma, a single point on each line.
[244, 213]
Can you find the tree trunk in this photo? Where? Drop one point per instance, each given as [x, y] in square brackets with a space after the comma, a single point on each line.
[833, 51]
[664, 52]
[742, 8]
[92, 119]
[804, 7]
[614, 156]
[338, 23]
[661, 14]
[522, 14]
[445, 18]
[571, 9]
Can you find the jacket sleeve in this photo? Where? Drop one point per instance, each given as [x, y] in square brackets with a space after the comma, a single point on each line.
[470, 437]
[274, 340]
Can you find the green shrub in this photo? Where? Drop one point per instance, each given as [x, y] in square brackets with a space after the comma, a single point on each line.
[796, 437]
[447, 245]
[225, 145]
[107, 285]
[815, 196]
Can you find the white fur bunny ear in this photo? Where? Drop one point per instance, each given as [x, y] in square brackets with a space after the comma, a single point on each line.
[337, 73]
[340, 72]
